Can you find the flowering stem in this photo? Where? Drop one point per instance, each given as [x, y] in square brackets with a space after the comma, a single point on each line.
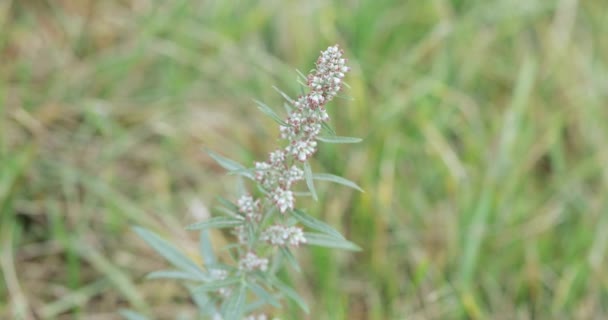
[284, 166]
[267, 226]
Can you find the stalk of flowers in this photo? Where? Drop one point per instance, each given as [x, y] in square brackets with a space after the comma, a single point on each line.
[267, 225]
[284, 166]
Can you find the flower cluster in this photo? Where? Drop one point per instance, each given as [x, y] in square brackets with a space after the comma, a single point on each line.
[301, 129]
[284, 168]
[252, 262]
[280, 235]
[249, 207]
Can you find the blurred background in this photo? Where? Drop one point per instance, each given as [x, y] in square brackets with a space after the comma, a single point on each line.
[484, 161]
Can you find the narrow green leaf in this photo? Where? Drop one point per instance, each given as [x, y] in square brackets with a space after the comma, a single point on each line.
[302, 194]
[285, 96]
[287, 254]
[287, 108]
[264, 295]
[251, 238]
[232, 309]
[206, 248]
[290, 293]
[329, 129]
[336, 139]
[132, 315]
[206, 305]
[175, 274]
[217, 284]
[228, 208]
[302, 76]
[315, 224]
[323, 240]
[227, 212]
[228, 204]
[245, 172]
[224, 162]
[336, 179]
[252, 306]
[217, 223]
[269, 112]
[169, 252]
[309, 180]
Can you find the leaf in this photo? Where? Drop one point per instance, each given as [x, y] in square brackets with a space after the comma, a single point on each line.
[290, 293]
[228, 208]
[252, 306]
[264, 295]
[336, 139]
[217, 223]
[247, 173]
[206, 248]
[269, 112]
[175, 274]
[285, 96]
[206, 305]
[132, 315]
[328, 128]
[323, 240]
[217, 284]
[232, 309]
[225, 163]
[315, 224]
[227, 212]
[304, 78]
[290, 258]
[336, 179]
[169, 252]
[309, 180]
[287, 108]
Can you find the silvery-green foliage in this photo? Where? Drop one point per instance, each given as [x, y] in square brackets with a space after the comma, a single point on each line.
[266, 223]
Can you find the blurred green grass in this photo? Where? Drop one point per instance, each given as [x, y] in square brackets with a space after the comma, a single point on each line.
[484, 159]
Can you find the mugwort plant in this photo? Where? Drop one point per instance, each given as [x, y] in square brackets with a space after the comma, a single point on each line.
[266, 223]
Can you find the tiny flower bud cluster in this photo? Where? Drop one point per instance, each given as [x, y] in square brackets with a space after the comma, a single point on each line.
[249, 207]
[326, 81]
[283, 199]
[252, 262]
[280, 235]
[220, 274]
[304, 123]
[241, 234]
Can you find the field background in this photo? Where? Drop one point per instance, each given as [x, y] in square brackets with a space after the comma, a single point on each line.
[484, 161]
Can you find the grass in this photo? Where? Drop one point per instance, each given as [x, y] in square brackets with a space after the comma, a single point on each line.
[484, 159]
